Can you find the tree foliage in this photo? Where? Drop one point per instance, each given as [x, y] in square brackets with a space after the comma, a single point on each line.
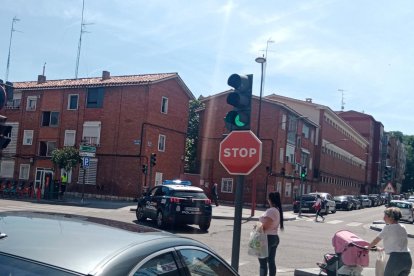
[66, 158]
[190, 164]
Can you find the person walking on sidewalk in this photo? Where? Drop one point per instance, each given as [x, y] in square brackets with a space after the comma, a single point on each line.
[318, 207]
[394, 237]
[214, 193]
[272, 220]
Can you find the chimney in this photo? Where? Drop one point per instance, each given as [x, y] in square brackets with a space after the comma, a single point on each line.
[41, 79]
[308, 100]
[106, 75]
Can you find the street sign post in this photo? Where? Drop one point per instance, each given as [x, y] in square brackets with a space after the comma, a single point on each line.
[240, 152]
[86, 162]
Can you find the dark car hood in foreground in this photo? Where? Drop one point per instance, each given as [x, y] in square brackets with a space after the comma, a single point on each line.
[76, 243]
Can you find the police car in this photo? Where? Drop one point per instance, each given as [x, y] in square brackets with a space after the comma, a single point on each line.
[175, 202]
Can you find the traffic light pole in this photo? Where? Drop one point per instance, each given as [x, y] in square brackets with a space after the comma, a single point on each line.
[235, 253]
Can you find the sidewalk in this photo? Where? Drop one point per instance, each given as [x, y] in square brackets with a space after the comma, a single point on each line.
[227, 212]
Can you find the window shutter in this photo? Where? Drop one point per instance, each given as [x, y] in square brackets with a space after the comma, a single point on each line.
[11, 148]
[7, 169]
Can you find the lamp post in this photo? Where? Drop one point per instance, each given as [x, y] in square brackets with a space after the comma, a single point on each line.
[262, 61]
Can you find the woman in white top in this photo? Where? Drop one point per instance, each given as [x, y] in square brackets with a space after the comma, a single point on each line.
[271, 220]
[394, 237]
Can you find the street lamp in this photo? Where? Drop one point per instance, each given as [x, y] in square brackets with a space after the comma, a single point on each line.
[262, 61]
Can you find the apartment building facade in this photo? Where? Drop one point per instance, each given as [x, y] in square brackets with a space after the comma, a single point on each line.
[373, 132]
[125, 117]
[341, 153]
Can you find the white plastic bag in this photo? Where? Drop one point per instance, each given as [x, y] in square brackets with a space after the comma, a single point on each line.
[258, 242]
[380, 263]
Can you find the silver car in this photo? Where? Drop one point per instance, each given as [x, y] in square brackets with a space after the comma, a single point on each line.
[330, 205]
[37, 244]
[407, 209]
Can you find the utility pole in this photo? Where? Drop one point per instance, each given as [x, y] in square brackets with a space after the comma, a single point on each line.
[12, 30]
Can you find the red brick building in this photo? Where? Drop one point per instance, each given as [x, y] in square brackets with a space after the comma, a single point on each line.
[341, 152]
[373, 132]
[288, 144]
[125, 117]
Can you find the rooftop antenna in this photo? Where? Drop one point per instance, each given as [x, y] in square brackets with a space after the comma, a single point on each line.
[12, 30]
[82, 30]
[342, 99]
[44, 66]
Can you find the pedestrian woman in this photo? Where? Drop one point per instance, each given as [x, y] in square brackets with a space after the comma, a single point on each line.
[272, 220]
[394, 237]
[318, 207]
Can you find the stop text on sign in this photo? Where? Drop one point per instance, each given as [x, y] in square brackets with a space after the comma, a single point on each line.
[239, 152]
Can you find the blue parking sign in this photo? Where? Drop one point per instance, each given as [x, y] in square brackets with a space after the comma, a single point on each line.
[86, 161]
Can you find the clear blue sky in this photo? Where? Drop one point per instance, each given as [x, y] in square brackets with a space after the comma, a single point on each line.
[365, 48]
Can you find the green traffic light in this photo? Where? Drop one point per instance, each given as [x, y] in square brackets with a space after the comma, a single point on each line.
[237, 121]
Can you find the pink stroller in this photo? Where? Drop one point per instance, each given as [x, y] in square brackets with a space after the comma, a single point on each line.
[350, 256]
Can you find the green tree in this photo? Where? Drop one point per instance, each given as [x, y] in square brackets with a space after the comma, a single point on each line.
[66, 158]
[190, 161]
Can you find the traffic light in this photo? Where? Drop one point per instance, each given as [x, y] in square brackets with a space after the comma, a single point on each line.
[5, 134]
[9, 90]
[240, 99]
[153, 159]
[387, 173]
[144, 169]
[3, 97]
[303, 173]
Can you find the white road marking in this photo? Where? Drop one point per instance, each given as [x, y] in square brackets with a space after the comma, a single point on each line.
[334, 221]
[354, 224]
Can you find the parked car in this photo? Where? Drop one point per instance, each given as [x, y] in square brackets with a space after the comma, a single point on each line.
[356, 202]
[365, 201]
[344, 202]
[308, 200]
[330, 203]
[410, 199]
[37, 244]
[407, 209]
[374, 200]
[171, 204]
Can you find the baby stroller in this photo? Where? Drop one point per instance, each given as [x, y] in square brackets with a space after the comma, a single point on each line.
[350, 256]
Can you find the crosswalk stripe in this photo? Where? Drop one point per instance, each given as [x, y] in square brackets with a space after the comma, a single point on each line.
[334, 221]
[354, 224]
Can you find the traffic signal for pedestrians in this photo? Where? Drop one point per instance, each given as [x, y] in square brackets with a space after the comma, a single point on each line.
[240, 99]
[144, 169]
[153, 159]
[5, 134]
[303, 173]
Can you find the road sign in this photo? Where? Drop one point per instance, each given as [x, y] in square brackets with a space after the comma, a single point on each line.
[240, 152]
[86, 162]
[389, 189]
[87, 148]
[88, 154]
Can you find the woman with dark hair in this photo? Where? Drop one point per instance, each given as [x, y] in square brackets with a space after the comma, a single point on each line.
[272, 220]
[394, 237]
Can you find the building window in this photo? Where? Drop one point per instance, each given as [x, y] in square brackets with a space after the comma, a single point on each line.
[161, 142]
[164, 105]
[50, 118]
[288, 189]
[6, 169]
[282, 155]
[70, 138]
[95, 97]
[290, 154]
[46, 148]
[91, 132]
[24, 171]
[227, 185]
[90, 173]
[73, 101]
[11, 149]
[283, 121]
[27, 137]
[305, 131]
[31, 103]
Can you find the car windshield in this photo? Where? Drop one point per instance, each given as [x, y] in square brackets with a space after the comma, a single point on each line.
[308, 197]
[192, 194]
[401, 205]
[339, 197]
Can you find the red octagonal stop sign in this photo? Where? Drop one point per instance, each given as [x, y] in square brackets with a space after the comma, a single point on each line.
[240, 152]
